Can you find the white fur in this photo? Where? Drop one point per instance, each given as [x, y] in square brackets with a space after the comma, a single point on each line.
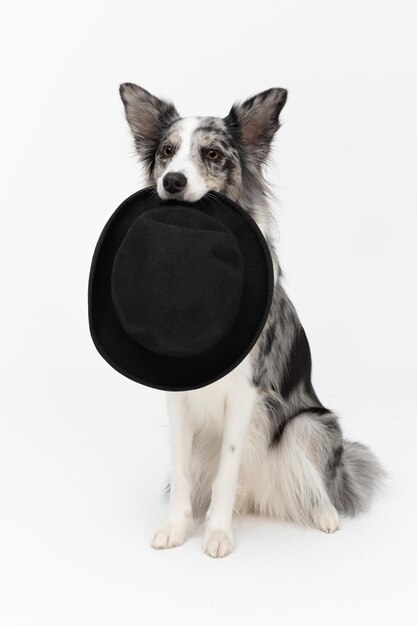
[172, 532]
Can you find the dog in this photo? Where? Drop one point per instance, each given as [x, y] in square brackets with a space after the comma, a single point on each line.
[258, 440]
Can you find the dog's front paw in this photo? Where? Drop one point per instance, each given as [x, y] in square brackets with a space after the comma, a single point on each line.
[169, 535]
[218, 542]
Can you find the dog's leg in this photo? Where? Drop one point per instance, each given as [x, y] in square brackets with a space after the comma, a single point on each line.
[173, 532]
[239, 407]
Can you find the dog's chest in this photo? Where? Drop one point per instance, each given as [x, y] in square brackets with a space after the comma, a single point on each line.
[209, 404]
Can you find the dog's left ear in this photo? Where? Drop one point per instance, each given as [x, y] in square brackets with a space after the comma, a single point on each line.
[255, 122]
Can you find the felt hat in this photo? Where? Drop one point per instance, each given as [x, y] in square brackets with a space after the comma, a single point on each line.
[178, 293]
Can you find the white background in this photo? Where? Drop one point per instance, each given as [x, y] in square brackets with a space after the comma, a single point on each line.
[83, 451]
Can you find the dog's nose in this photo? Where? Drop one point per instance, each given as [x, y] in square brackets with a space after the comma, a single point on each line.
[174, 181]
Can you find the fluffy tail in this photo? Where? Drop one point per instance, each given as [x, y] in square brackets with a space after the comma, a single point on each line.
[359, 478]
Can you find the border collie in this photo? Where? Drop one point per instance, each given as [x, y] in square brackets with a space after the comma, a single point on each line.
[258, 440]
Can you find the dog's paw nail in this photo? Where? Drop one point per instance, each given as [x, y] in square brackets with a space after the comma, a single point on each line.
[218, 543]
[168, 536]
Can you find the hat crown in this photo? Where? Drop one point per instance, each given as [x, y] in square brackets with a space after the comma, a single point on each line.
[177, 281]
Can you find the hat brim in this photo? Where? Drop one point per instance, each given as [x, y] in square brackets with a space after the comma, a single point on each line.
[171, 373]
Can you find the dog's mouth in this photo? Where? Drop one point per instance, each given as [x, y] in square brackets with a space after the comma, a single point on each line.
[166, 195]
[183, 196]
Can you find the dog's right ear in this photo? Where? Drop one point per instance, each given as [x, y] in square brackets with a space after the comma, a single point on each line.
[147, 116]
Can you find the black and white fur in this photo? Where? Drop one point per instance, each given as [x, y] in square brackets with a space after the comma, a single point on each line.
[258, 440]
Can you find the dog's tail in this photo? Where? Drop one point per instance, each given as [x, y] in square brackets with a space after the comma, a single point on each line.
[360, 477]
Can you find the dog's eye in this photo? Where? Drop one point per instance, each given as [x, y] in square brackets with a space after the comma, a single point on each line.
[167, 151]
[213, 154]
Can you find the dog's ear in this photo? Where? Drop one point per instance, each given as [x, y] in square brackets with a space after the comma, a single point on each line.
[254, 123]
[147, 116]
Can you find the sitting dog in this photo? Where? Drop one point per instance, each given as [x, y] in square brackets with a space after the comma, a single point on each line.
[258, 440]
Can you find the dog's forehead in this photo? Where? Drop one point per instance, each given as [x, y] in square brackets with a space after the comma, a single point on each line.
[196, 129]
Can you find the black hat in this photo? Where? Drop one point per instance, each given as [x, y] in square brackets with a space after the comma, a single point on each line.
[178, 293]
